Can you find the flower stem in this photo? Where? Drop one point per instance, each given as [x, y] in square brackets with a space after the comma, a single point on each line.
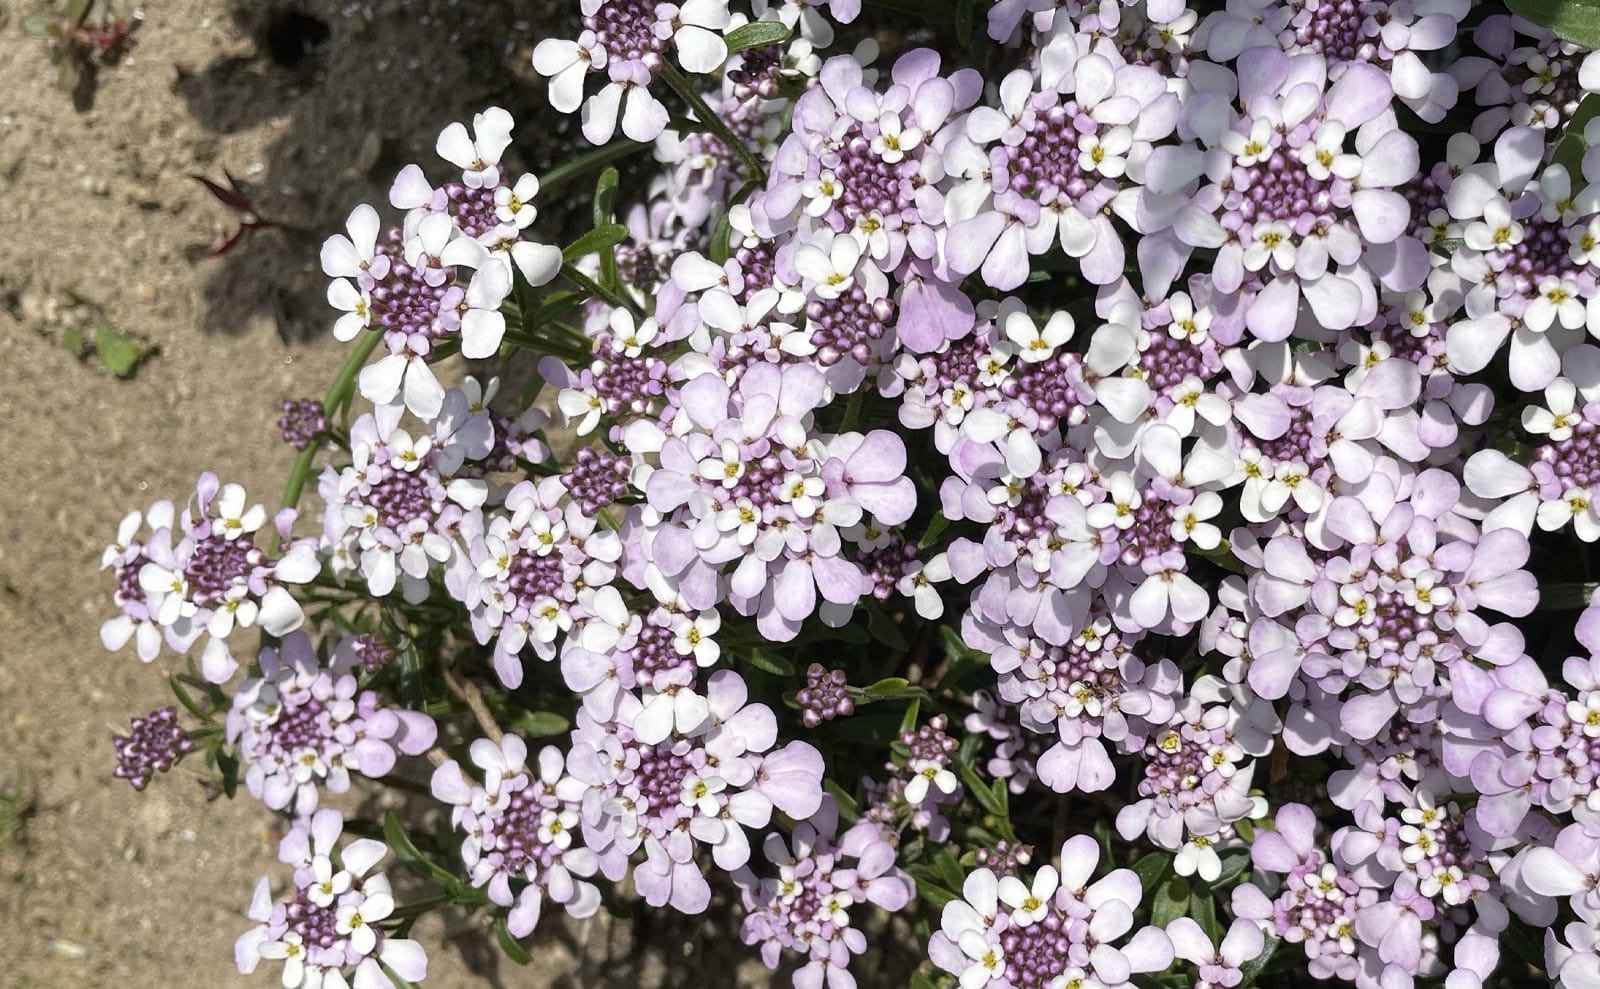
[709, 119]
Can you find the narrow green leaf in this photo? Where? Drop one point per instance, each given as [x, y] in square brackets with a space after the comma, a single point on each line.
[228, 765]
[909, 721]
[884, 629]
[538, 724]
[980, 790]
[1171, 901]
[187, 701]
[888, 687]
[920, 981]
[1571, 20]
[399, 983]
[1152, 869]
[599, 239]
[776, 665]
[722, 231]
[848, 808]
[964, 23]
[68, 75]
[400, 843]
[1203, 908]
[1252, 968]
[605, 201]
[1002, 797]
[936, 527]
[39, 25]
[1233, 866]
[510, 945]
[756, 34]
[721, 240]
[950, 871]
[1566, 597]
[574, 167]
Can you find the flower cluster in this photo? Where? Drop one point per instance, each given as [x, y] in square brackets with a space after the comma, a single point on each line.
[200, 573]
[520, 824]
[821, 875]
[153, 744]
[328, 934]
[302, 726]
[1153, 444]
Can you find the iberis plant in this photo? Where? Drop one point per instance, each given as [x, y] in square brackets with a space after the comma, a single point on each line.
[1022, 494]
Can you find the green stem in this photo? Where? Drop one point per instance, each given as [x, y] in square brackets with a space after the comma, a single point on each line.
[709, 119]
[620, 299]
[852, 411]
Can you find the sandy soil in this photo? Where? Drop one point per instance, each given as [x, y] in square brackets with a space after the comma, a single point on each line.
[105, 887]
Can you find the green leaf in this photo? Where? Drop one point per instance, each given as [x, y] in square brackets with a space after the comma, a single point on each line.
[920, 981]
[758, 34]
[574, 167]
[599, 239]
[721, 240]
[883, 628]
[776, 665]
[722, 231]
[1001, 792]
[1252, 968]
[935, 895]
[1569, 153]
[538, 724]
[605, 200]
[68, 75]
[909, 721]
[400, 843]
[510, 945]
[980, 790]
[1233, 866]
[848, 808]
[1203, 908]
[119, 353]
[1571, 20]
[187, 701]
[1566, 597]
[1171, 901]
[75, 342]
[39, 25]
[888, 687]
[936, 527]
[1152, 869]
[1222, 555]
[228, 764]
[964, 23]
[950, 872]
[848, 634]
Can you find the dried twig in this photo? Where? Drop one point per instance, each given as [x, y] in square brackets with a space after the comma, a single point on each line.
[468, 693]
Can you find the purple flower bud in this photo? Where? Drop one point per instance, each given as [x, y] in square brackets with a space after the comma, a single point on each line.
[154, 744]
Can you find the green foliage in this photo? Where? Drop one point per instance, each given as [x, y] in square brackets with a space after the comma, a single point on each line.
[756, 34]
[91, 335]
[1572, 20]
[16, 806]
